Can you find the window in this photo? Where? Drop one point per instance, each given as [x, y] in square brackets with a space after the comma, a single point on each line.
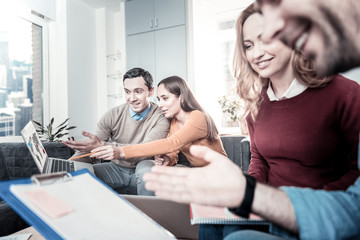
[22, 50]
[214, 39]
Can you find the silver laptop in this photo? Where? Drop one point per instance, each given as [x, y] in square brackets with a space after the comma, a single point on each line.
[173, 216]
[43, 162]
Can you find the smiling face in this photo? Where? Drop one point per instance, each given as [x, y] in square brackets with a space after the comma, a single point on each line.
[268, 60]
[137, 93]
[169, 103]
[324, 30]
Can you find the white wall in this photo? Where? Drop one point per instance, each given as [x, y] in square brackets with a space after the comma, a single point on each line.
[44, 7]
[80, 39]
[353, 74]
[81, 66]
[58, 77]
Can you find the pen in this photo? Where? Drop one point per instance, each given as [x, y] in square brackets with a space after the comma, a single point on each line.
[84, 155]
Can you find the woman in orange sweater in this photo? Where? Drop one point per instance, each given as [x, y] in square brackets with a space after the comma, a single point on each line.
[190, 125]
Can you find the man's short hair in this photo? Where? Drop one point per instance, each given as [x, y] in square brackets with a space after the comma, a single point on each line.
[139, 72]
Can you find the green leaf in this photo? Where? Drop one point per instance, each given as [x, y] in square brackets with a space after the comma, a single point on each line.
[47, 132]
[61, 135]
[60, 129]
[60, 125]
[49, 129]
[37, 123]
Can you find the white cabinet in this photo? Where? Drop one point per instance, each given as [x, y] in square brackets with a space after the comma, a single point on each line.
[161, 50]
[162, 53]
[148, 15]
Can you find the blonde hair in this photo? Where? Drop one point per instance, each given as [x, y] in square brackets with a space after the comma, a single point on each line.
[250, 84]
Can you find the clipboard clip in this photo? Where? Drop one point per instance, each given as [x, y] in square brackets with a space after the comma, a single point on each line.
[45, 179]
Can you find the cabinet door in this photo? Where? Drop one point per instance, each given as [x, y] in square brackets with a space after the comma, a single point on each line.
[140, 52]
[139, 16]
[170, 50]
[169, 13]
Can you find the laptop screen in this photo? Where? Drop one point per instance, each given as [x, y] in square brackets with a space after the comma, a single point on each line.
[34, 145]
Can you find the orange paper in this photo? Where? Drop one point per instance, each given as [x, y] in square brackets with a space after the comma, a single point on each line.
[48, 203]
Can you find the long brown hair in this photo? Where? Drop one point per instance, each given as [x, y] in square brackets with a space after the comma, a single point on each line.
[178, 86]
[250, 84]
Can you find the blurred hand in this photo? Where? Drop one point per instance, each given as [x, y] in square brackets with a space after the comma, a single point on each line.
[219, 183]
[86, 145]
[162, 160]
[108, 152]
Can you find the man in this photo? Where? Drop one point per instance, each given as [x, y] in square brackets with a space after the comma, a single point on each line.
[136, 121]
[325, 31]
[309, 25]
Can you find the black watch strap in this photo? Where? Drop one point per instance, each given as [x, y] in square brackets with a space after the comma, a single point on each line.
[245, 207]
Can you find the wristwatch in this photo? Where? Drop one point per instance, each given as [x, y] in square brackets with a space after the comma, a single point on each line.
[245, 207]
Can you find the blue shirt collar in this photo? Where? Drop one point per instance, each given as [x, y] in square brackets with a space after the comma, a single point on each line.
[143, 114]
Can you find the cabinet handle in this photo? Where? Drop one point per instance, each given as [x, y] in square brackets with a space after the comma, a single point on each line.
[156, 22]
[151, 23]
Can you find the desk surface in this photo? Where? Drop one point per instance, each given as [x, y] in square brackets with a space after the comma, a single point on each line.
[35, 235]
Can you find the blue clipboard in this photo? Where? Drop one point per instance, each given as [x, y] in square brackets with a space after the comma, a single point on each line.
[28, 215]
[124, 212]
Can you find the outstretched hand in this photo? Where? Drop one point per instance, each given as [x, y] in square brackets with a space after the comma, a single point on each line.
[220, 183]
[108, 152]
[86, 145]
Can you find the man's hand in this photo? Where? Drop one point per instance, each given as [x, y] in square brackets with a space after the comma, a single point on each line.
[86, 145]
[220, 183]
[108, 152]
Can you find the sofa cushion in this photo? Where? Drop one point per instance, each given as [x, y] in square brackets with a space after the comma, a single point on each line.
[4, 173]
[19, 162]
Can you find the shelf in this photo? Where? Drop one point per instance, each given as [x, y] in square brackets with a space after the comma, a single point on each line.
[114, 57]
[115, 76]
[115, 95]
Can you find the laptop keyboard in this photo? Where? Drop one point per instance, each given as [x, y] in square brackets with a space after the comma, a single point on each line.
[59, 166]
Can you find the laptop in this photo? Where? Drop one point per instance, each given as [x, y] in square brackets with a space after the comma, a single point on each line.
[43, 162]
[173, 216]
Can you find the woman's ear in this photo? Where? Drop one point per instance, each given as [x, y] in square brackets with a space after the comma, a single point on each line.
[181, 99]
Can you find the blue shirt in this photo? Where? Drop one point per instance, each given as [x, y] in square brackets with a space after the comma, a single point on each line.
[139, 116]
[325, 215]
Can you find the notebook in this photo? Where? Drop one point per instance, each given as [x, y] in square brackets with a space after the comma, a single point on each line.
[173, 216]
[44, 163]
[202, 214]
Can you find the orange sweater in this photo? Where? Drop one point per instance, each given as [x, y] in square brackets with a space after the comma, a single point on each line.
[193, 132]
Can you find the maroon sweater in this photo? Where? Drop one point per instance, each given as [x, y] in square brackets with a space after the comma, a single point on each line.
[309, 140]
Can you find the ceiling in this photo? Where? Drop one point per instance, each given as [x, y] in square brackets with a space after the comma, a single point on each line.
[113, 5]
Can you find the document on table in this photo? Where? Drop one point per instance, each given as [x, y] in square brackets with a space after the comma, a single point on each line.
[84, 208]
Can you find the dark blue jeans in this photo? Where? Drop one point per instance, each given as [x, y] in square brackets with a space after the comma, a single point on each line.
[219, 231]
[252, 235]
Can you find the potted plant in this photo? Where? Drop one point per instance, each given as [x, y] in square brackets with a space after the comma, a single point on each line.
[232, 106]
[49, 133]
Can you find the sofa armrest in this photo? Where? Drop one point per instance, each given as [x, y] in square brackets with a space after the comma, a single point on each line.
[245, 154]
[237, 149]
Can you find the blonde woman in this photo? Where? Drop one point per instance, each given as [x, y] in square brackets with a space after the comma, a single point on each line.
[304, 130]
